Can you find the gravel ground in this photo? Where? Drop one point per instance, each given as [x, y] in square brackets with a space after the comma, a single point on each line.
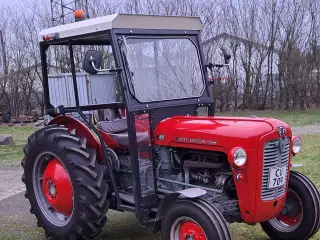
[9, 186]
[309, 129]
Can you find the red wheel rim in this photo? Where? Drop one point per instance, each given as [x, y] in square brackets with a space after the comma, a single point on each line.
[57, 187]
[191, 231]
[296, 218]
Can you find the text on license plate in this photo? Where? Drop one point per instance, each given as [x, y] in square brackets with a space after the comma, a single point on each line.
[277, 177]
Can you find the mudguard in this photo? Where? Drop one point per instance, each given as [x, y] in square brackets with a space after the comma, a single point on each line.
[81, 130]
[171, 198]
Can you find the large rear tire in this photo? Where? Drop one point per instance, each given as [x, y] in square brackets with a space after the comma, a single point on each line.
[300, 219]
[64, 184]
[186, 219]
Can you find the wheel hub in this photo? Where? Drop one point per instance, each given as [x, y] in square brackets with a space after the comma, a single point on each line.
[292, 212]
[191, 231]
[57, 187]
[52, 191]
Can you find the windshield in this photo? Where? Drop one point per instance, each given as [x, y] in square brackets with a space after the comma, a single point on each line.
[163, 69]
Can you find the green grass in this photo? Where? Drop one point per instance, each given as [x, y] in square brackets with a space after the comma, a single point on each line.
[298, 118]
[14, 152]
[16, 230]
[310, 157]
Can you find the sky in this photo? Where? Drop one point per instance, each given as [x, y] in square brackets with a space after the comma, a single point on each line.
[10, 2]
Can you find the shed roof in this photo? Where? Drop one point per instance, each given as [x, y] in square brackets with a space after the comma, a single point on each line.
[238, 39]
[126, 21]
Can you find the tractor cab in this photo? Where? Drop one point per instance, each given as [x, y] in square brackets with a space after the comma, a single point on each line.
[133, 130]
[152, 72]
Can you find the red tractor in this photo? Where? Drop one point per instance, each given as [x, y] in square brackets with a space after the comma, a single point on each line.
[186, 175]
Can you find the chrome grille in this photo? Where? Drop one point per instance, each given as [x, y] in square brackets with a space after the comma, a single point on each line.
[273, 157]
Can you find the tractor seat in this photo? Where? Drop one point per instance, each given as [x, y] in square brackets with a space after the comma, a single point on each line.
[118, 131]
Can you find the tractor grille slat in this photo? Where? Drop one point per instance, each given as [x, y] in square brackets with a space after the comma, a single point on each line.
[272, 157]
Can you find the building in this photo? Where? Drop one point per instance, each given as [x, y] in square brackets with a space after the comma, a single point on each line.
[253, 66]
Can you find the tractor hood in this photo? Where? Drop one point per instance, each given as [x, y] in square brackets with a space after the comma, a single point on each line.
[220, 133]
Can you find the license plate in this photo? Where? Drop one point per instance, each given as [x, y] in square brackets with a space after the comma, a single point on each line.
[277, 177]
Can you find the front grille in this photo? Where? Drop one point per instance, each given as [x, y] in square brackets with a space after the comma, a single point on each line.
[273, 157]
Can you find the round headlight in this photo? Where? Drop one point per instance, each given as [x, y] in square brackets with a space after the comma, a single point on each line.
[296, 145]
[240, 157]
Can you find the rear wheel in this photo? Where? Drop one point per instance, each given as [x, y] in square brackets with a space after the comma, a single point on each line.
[194, 220]
[64, 184]
[299, 219]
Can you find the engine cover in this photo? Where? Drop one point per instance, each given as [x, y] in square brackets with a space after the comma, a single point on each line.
[213, 132]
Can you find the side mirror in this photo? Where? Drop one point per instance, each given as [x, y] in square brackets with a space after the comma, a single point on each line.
[91, 58]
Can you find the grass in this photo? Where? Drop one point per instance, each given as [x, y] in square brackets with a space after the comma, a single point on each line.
[13, 230]
[310, 157]
[14, 152]
[299, 118]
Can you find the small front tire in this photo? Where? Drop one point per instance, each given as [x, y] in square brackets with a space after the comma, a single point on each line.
[197, 219]
[300, 219]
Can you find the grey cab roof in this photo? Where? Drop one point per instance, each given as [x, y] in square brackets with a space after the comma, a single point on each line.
[125, 21]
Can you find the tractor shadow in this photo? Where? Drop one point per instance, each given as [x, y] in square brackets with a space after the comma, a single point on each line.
[124, 226]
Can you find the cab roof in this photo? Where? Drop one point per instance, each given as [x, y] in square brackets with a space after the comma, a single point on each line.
[124, 21]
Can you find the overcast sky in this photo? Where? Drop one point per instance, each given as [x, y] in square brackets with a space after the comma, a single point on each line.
[10, 2]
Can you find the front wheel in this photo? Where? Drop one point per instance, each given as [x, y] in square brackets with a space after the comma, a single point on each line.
[194, 220]
[299, 219]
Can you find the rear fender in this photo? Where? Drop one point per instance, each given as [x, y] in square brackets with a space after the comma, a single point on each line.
[82, 131]
[171, 198]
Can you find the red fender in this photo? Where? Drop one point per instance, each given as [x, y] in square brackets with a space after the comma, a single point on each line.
[82, 131]
[92, 140]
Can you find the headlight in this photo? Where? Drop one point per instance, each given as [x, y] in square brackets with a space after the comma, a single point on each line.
[296, 145]
[239, 157]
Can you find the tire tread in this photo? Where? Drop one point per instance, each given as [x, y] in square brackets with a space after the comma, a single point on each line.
[91, 189]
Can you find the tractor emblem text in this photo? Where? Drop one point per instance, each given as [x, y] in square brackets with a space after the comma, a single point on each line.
[196, 141]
